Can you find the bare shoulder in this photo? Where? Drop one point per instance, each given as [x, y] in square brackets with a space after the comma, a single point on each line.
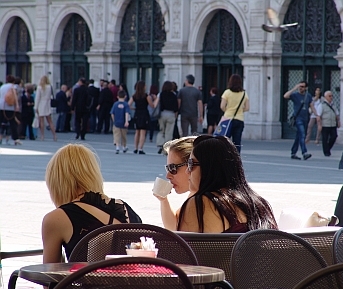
[55, 219]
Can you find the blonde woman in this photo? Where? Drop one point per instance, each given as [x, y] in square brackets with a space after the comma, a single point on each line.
[42, 105]
[75, 183]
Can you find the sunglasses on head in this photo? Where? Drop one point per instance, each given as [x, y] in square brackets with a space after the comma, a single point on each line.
[172, 168]
[191, 163]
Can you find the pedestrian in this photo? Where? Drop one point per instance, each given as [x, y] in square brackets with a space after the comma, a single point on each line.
[80, 105]
[5, 131]
[190, 105]
[317, 102]
[234, 103]
[120, 114]
[213, 110]
[104, 107]
[330, 123]
[62, 108]
[27, 111]
[42, 106]
[169, 108]
[8, 109]
[153, 119]
[141, 117]
[94, 93]
[302, 101]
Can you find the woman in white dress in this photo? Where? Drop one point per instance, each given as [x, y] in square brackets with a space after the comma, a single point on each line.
[42, 105]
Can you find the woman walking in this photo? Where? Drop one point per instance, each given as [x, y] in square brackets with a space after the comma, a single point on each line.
[141, 117]
[42, 105]
[235, 100]
[169, 108]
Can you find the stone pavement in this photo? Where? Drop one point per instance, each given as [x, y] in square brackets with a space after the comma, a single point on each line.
[312, 184]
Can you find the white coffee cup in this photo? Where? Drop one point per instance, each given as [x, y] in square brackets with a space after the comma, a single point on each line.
[161, 187]
[107, 257]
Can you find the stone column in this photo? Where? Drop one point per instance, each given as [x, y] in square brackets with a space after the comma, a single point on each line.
[339, 58]
[262, 73]
[3, 67]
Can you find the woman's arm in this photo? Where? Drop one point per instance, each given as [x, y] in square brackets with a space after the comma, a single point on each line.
[169, 217]
[246, 106]
[223, 104]
[37, 99]
[54, 228]
[150, 101]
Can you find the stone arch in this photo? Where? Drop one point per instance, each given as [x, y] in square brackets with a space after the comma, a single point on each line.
[204, 17]
[60, 22]
[118, 12]
[6, 22]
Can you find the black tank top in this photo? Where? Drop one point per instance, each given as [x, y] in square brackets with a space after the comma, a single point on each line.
[84, 222]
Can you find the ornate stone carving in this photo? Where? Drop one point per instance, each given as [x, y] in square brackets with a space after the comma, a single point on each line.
[99, 18]
[176, 18]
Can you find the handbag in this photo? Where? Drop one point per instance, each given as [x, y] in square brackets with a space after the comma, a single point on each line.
[53, 101]
[155, 113]
[35, 123]
[225, 124]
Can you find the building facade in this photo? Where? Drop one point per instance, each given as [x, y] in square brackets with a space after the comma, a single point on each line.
[158, 40]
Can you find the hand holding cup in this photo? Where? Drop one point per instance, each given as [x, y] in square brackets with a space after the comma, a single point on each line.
[161, 187]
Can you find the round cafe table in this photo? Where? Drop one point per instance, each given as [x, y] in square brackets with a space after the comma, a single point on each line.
[51, 273]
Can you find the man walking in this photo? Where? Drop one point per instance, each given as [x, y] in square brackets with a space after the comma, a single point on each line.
[94, 93]
[80, 105]
[62, 108]
[302, 100]
[190, 106]
[330, 123]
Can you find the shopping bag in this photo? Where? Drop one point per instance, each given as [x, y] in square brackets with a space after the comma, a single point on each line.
[224, 127]
[35, 123]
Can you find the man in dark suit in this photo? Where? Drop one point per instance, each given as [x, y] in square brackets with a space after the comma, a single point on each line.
[80, 105]
[62, 108]
[94, 93]
[104, 108]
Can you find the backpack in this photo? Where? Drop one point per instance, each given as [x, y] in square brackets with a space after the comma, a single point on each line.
[10, 97]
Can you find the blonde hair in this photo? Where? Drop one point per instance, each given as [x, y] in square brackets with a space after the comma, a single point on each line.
[182, 146]
[74, 168]
[44, 81]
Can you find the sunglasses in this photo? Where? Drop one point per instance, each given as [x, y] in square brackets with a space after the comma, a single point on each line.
[191, 164]
[172, 168]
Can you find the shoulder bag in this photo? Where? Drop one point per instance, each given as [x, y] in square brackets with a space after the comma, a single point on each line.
[53, 101]
[291, 121]
[224, 126]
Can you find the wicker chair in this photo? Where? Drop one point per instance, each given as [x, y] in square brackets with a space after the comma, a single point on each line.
[337, 247]
[103, 275]
[111, 239]
[326, 278]
[272, 259]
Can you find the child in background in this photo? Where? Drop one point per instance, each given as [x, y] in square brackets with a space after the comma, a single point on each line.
[120, 116]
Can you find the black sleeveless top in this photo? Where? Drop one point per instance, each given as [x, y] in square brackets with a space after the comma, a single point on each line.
[84, 222]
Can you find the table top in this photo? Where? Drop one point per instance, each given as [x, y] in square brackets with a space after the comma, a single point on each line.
[44, 274]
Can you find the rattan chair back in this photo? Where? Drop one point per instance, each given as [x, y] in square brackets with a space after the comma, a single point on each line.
[127, 272]
[326, 278]
[112, 239]
[337, 247]
[272, 259]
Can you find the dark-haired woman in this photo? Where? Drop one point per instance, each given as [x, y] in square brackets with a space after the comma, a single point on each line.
[141, 117]
[231, 100]
[169, 108]
[213, 110]
[221, 199]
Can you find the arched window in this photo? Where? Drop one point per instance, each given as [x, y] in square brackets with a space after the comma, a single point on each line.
[76, 41]
[17, 46]
[141, 41]
[308, 50]
[223, 43]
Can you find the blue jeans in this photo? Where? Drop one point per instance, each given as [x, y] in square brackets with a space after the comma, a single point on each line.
[301, 125]
[237, 127]
[61, 121]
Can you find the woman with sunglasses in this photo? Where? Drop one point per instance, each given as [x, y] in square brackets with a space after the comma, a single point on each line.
[178, 151]
[220, 198]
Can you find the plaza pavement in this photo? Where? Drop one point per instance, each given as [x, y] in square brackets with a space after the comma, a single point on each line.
[24, 199]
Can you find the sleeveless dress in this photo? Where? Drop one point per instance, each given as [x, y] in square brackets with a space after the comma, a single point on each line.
[141, 117]
[84, 222]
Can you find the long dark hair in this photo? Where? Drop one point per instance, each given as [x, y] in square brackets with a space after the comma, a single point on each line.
[140, 90]
[235, 83]
[222, 172]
